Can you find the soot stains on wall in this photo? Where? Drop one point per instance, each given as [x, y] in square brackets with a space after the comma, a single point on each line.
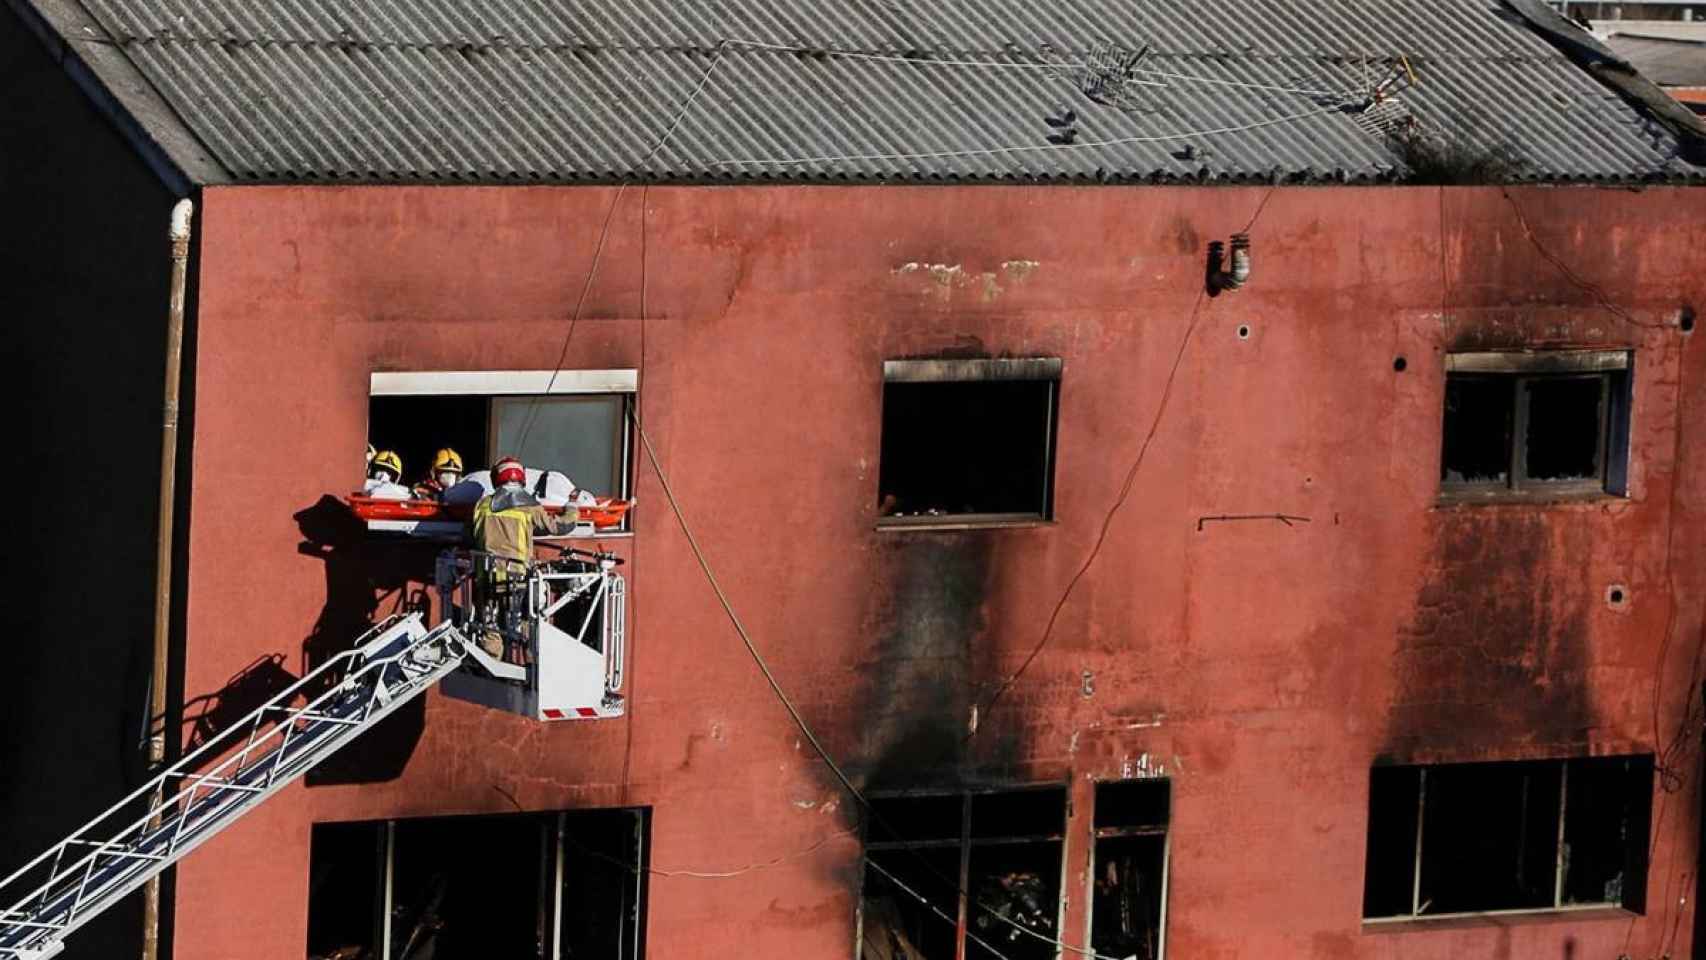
[1495, 649]
[930, 661]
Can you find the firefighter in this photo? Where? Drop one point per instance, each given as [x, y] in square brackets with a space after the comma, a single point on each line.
[445, 473]
[504, 524]
[382, 477]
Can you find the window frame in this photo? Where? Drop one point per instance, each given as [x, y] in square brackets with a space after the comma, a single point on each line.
[965, 843]
[974, 370]
[552, 872]
[1098, 834]
[495, 386]
[1629, 905]
[1522, 368]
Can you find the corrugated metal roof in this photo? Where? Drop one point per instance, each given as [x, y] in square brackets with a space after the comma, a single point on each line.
[874, 90]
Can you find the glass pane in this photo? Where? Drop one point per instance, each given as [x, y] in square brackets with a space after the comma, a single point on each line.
[1563, 428]
[578, 436]
[1490, 836]
[1015, 888]
[1478, 413]
[965, 447]
[911, 904]
[1125, 913]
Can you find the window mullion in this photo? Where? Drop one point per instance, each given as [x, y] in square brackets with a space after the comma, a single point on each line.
[1519, 435]
[1421, 817]
[965, 877]
[1558, 866]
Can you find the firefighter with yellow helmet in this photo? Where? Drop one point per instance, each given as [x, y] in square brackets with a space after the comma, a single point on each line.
[445, 472]
[384, 477]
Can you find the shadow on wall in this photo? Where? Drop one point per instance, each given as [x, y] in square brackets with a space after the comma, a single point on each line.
[363, 577]
[206, 715]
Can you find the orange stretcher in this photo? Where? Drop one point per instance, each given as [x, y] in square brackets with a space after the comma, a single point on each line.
[606, 513]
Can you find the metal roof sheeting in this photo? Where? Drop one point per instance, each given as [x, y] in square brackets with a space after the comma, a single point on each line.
[869, 90]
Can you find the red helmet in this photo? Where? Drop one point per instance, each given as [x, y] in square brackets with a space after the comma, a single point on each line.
[508, 470]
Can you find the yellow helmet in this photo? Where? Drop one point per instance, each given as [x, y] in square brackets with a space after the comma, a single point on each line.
[386, 460]
[446, 459]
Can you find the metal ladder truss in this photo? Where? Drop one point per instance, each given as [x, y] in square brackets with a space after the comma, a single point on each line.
[228, 776]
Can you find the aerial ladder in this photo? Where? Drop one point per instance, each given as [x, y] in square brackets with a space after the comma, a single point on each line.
[542, 639]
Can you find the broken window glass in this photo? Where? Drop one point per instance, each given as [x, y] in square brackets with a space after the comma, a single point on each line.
[1564, 427]
[1535, 423]
[978, 873]
[967, 439]
[1520, 835]
[1128, 874]
[1478, 413]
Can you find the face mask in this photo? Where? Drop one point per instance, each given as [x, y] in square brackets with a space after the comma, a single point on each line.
[446, 478]
[384, 476]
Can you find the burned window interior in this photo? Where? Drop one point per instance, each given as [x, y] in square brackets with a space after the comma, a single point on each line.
[1129, 872]
[971, 439]
[1452, 839]
[549, 885]
[978, 873]
[584, 436]
[1540, 423]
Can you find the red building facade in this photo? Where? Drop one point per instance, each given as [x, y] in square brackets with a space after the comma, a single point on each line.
[1262, 670]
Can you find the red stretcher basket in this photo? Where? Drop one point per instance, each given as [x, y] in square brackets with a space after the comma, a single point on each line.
[606, 513]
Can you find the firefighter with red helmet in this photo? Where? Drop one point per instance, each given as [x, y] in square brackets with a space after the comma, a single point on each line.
[504, 524]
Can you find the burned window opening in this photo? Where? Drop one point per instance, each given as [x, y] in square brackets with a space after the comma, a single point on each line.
[585, 435]
[989, 862]
[1455, 839]
[1129, 871]
[967, 444]
[546, 885]
[1521, 424]
[346, 864]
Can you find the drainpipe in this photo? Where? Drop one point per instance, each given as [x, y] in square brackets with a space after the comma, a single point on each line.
[180, 235]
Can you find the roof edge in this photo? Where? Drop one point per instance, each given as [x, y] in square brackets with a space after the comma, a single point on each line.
[1601, 63]
[119, 91]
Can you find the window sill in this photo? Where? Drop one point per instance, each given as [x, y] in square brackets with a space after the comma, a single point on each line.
[1585, 913]
[1531, 496]
[963, 521]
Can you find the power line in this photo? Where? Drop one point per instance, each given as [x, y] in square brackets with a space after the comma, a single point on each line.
[1033, 147]
[800, 722]
[1120, 499]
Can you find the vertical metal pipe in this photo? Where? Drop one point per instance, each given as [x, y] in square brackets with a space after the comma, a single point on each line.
[180, 238]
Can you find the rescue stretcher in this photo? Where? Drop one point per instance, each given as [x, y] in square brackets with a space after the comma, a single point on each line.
[449, 517]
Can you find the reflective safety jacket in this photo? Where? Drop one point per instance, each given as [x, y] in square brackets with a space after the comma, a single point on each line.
[504, 523]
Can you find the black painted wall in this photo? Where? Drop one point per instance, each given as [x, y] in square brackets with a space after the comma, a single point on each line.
[84, 288]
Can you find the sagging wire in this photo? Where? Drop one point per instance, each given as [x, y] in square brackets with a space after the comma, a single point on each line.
[794, 713]
[1120, 499]
[1586, 286]
[604, 233]
[636, 869]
